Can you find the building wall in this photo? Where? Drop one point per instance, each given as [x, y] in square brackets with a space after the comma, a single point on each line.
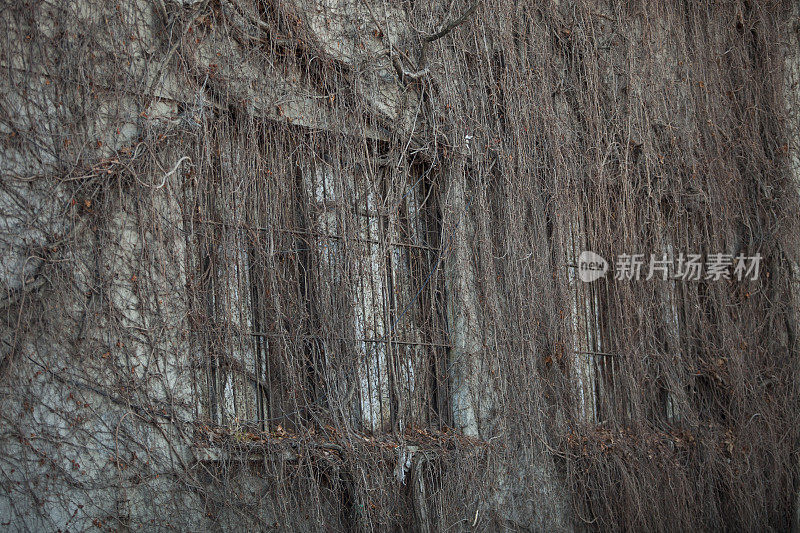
[305, 265]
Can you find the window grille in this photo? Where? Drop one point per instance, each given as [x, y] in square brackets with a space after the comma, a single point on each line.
[593, 364]
[336, 312]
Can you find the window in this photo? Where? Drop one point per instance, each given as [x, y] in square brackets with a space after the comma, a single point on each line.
[592, 364]
[596, 362]
[321, 297]
[674, 379]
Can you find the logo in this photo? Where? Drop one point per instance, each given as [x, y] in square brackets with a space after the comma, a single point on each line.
[591, 266]
[685, 267]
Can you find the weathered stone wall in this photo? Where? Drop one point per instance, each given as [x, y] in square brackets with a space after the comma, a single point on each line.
[111, 121]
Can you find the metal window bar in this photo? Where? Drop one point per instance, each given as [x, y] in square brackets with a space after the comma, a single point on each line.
[399, 376]
[593, 365]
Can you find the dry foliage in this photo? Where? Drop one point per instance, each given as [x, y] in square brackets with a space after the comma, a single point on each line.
[196, 258]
